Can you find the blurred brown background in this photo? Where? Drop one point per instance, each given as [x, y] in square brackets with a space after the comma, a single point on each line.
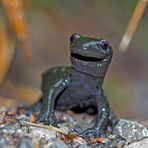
[50, 25]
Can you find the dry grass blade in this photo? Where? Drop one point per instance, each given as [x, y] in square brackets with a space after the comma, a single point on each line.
[49, 127]
[15, 13]
[138, 12]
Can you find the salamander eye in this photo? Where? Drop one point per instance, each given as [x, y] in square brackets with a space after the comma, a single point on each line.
[74, 37]
[104, 44]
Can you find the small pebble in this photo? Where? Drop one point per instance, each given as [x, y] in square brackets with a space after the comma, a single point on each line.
[11, 113]
[32, 118]
[21, 117]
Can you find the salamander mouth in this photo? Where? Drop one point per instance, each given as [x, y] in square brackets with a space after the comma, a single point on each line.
[83, 58]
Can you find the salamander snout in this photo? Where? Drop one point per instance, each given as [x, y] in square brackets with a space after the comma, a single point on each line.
[74, 37]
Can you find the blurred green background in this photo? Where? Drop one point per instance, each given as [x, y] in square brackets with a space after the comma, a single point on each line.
[51, 22]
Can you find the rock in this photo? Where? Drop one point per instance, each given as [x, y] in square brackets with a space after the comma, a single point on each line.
[79, 141]
[15, 133]
[56, 144]
[25, 142]
[22, 117]
[141, 144]
[131, 131]
[3, 142]
[41, 133]
[11, 129]
[84, 146]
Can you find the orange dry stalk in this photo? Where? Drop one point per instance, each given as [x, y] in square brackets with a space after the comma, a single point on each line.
[7, 51]
[16, 15]
[133, 23]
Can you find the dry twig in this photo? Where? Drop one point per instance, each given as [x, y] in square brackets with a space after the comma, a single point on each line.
[133, 23]
[49, 127]
[16, 15]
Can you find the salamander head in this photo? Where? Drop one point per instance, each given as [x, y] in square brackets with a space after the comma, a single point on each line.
[90, 55]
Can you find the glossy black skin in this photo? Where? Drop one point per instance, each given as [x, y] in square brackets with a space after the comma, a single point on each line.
[66, 87]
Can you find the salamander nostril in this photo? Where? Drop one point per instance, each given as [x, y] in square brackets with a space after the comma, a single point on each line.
[104, 44]
[74, 37]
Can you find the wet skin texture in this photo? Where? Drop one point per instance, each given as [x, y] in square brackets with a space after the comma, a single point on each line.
[66, 87]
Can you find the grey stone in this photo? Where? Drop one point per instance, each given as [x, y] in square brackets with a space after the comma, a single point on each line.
[84, 146]
[42, 133]
[130, 130]
[56, 144]
[22, 117]
[141, 144]
[25, 142]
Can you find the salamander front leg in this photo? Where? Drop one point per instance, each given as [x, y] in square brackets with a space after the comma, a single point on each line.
[102, 119]
[47, 115]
